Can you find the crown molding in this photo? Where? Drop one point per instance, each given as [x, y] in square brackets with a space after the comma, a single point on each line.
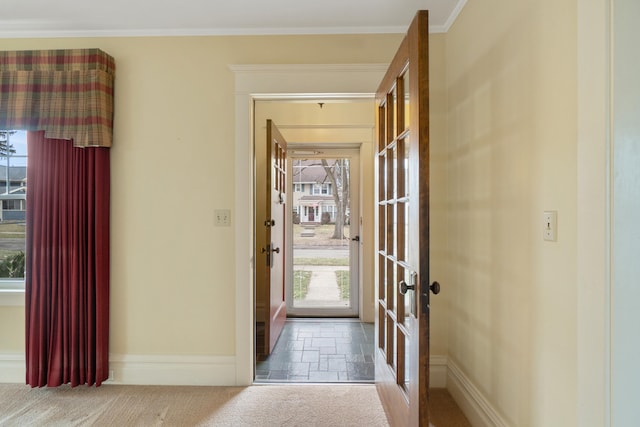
[454, 15]
[234, 31]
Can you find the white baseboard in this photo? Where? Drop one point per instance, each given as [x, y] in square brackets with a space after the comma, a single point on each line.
[471, 400]
[12, 368]
[438, 371]
[195, 370]
[145, 370]
[172, 370]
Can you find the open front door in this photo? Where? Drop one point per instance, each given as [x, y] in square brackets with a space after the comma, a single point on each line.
[402, 315]
[271, 289]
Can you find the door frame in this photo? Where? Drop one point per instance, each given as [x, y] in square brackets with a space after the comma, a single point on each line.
[328, 151]
[254, 82]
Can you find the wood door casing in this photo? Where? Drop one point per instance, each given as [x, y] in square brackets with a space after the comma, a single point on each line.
[402, 320]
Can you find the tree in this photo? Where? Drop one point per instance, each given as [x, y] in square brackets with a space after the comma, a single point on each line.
[338, 174]
[5, 147]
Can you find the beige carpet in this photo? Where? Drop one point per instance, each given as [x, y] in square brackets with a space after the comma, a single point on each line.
[117, 405]
[260, 405]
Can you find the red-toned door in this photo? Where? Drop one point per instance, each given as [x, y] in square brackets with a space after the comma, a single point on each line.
[274, 251]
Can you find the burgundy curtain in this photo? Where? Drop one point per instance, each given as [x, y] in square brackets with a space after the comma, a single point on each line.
[67, 263]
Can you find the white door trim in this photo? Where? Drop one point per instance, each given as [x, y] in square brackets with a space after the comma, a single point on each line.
[253, 82]
[594, 168]
[330, 151]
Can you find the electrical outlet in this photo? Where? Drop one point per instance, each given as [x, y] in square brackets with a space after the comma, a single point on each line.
[550, 226]
[222, 217]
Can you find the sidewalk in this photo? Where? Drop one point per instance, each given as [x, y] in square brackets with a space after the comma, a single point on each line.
[323, 287]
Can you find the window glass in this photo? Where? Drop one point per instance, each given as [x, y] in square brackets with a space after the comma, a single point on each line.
[13, 194]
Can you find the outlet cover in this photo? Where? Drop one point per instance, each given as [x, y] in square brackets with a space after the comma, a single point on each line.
[222, 217]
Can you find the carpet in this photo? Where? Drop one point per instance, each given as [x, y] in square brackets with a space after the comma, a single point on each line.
[127, 405]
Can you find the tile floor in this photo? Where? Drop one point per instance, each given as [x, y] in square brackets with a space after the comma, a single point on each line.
[321, 350]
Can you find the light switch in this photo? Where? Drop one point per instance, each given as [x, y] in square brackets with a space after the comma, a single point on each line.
[222, 217]
[550, 226]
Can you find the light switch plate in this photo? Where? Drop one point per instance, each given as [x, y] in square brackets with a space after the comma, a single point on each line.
[550, 226]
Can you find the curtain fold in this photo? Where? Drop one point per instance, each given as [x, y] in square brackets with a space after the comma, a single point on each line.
[67, 263]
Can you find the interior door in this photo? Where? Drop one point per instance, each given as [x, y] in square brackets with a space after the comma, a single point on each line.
[402, 267]
[274, 226]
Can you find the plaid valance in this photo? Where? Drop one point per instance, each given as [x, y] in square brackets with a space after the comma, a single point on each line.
[66, 93]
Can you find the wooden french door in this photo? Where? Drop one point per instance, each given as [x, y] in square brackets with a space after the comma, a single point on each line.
[402, 315]
[271, 289]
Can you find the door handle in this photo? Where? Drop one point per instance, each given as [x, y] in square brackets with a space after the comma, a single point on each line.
[435, 288]
[272, 258]
[356, 239]
[404, 287]
[269, 250]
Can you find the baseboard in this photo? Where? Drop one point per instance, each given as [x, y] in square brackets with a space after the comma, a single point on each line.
[438, 371]
[172, 370]
[471, 400]
[220, 371]
[146, 370]
[12, 368]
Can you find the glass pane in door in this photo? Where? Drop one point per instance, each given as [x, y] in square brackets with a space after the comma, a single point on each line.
[321, 233]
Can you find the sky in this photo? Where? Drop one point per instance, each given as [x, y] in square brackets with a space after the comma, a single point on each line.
[19, 142]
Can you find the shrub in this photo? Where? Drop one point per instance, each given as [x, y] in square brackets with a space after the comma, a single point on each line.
[325, 218]
[13, 265]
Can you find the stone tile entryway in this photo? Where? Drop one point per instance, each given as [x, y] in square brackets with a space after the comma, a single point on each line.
[321, 350]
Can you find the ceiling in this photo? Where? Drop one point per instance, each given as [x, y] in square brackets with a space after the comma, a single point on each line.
[80, 18]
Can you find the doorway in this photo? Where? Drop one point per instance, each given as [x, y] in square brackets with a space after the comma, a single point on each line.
[327, 336]
[323, 233]
[257, 82]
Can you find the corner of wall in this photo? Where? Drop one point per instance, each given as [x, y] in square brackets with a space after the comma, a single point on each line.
[475, 406]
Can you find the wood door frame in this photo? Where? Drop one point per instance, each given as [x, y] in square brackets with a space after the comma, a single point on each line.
[254, 82]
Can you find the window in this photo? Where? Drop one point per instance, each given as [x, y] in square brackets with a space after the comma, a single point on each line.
[13, 194]
[298, 188]
[322, 189]
[329, 208]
